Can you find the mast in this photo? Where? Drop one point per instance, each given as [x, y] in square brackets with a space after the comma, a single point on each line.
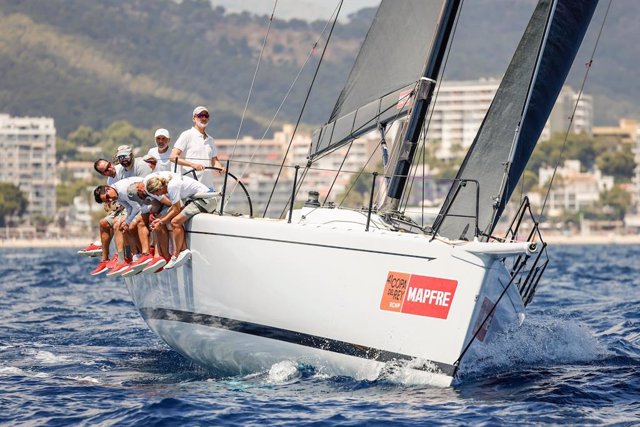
[424, 94]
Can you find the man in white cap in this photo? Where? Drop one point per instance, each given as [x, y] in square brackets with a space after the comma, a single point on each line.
[127, 167]
[130, 166]
[195, 149]
[161, 152]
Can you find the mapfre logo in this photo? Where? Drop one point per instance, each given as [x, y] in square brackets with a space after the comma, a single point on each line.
[420, 295]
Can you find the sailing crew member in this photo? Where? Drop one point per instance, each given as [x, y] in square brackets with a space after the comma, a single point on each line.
[180, 189]
[113, 173]
[127, 167]
[195, 149]
[148, 204]
[161, 152]
[118, 193]
[131, 166]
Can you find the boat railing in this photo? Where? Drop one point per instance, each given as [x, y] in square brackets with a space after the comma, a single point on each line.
[526, 270]
[227, 174]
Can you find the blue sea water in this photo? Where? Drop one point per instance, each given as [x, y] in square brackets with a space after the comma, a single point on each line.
[73, 350]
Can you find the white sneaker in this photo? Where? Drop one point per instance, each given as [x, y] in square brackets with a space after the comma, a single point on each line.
[183, 257]
[171, 263]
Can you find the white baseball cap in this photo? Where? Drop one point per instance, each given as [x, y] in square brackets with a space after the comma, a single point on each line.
[199, 110]
[162, 132]
[124, 150]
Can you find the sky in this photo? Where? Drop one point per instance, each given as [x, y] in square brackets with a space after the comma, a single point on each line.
[308, 10]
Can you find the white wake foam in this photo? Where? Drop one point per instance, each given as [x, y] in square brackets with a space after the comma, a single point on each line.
[538, 342]
[283, 372]
[49, 358]
[11, 370]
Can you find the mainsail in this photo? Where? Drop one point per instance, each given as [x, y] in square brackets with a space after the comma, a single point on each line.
[516, 118]
[385, 73]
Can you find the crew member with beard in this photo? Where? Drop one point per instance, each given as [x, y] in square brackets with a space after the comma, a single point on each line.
[161, 152]
[195, 149]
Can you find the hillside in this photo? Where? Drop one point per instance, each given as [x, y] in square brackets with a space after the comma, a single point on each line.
[149, 62]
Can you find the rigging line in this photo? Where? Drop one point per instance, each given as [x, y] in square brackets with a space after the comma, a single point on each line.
[253, 80]
[335, 178]
[296, 190]
[360, 172]
[295, 80]
[575, 107]
[315, 74]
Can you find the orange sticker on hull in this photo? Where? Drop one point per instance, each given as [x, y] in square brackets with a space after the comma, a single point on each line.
[394, 291]
[419, 295]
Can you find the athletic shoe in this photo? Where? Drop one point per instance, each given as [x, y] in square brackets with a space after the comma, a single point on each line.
[171, 263]
[112, 262]
[101, 268]
[91, 250]
[183, 257]
[119, 268]
[137, 265]
[155, 265]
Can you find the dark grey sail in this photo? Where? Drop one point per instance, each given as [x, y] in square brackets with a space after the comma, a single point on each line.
[516, 118]
[385, 73]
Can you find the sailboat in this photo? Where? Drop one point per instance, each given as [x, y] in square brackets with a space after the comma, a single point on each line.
[353, 292]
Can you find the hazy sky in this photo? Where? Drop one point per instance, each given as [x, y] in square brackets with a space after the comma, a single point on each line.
[303, 9]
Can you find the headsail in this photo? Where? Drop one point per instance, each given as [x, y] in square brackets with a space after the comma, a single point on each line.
[385, 73]
[516, 118]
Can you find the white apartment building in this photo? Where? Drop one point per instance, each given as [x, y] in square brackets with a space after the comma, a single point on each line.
[461, 106]
[573, 189]
[28, 146]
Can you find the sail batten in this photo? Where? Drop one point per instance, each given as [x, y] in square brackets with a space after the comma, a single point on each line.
[388, 67]
[515, 120]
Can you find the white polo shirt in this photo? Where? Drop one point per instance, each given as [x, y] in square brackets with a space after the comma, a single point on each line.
[197, 149]
[122, 187]
[162, 159]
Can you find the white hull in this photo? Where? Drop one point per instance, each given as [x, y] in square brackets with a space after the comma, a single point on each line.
[261, 291]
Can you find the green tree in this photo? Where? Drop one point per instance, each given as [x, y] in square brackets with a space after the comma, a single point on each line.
[620, 164]
[124, 133]
[12, 201]
[615, 200]
[65, 150]
[66, 191]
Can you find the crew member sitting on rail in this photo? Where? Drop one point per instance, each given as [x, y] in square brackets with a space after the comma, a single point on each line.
[178, 189]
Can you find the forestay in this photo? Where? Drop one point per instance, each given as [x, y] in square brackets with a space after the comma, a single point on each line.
[388, 66]
[516, 118]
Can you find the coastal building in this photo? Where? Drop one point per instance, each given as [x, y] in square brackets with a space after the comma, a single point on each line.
[461, 106]
[28, 146]
[573, 190]
[627, 132]
[258, 161]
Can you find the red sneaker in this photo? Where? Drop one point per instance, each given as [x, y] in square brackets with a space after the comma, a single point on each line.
[137, 266]
[119, 268]
[112, 262]
[155, 265]
[91, 249]
[100, 268]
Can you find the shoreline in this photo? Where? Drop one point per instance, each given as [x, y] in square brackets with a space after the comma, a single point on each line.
[64, 242]
[552, 239]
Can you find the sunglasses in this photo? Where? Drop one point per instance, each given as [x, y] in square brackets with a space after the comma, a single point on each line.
[202, 115]
[122, 157]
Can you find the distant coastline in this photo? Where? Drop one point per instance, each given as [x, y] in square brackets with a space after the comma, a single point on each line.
[63, 242]
[553, 239]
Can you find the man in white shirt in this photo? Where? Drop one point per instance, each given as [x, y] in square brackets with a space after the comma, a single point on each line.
[179, 189]
[195, 149]
[161, 152]
[118, 193]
